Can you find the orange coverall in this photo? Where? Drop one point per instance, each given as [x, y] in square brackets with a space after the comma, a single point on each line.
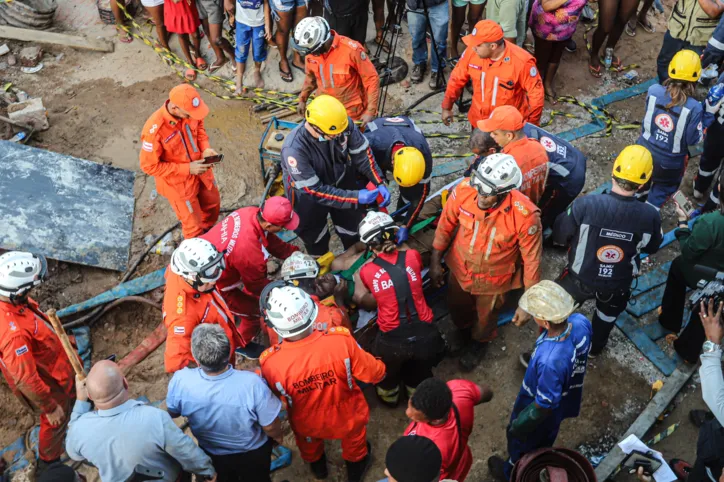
[184, 308]
[511, 80]
[37, 370]
[168, 145]
[532, 159]
[493, 252]
[315, 378]
[344, 72]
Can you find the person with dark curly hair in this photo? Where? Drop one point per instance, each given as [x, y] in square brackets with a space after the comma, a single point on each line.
[444, 413]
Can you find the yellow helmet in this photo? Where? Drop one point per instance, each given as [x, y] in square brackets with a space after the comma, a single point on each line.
[328, 114]
[408, 166]
[634, 164]
[686, 65]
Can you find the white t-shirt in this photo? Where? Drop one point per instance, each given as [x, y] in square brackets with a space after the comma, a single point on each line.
[250, 12]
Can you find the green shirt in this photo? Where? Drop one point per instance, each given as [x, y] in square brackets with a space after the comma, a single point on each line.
[510, 14]
[703, 244]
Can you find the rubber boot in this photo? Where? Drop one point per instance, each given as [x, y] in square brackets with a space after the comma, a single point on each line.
[319, 468]
[357, 470]
[389, 398]
[496, 466]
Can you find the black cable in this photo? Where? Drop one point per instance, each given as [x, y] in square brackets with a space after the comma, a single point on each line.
[422, 99]
[93, 317]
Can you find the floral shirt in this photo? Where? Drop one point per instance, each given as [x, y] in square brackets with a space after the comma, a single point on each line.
[559, 24]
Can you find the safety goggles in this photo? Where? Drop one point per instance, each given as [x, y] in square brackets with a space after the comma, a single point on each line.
[212, 270]
[324, 134]
[482, 185]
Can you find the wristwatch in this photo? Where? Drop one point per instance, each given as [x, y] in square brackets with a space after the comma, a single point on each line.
[710, 347]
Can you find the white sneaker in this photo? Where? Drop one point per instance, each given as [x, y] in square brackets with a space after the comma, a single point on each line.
[698, 195]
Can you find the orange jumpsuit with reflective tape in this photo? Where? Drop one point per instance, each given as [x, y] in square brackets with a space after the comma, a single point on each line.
[513, 79]
[315, 378]
[37, 370]
[168, 145]
[492, 252]
[184, 308]
[344, 72]
[532, 159]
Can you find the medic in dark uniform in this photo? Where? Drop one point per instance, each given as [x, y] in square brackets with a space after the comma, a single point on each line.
[400, 147]
[606, 233]
[552, 388]
[321, 160]
[407, 342]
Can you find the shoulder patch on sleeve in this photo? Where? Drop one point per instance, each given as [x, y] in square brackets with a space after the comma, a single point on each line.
[532, 230]
[268, 352]
[22, 350]
[363, 55]
[533, 71]
[179, 330]
[339, 330]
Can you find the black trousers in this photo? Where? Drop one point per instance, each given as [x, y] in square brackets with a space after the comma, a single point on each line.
[314, 230]
[352, 26]
[409, 352]
[609, 304]
[252, 466]
[552, 203]
[688, 345]
[709, 453]
[710, 163]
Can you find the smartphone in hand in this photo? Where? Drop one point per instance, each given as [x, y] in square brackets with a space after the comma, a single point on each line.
[683, 202]
[214, 159]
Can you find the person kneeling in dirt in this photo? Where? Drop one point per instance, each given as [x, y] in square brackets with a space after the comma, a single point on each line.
[302, 270]
[122, 433]
[191, 298]
[407, 341]
[314, 373]
[246, 238]
[444, 413]
[400, 147]
[606, 233]
[552, 388]
[32, 359]
[492, 235]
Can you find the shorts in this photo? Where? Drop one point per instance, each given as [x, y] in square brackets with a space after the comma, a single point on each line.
[213, 10]
[286, 6]
[151, 3]
[463, 3]
[246, 35]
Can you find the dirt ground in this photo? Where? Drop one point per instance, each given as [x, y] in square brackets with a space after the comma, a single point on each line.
[97, 104]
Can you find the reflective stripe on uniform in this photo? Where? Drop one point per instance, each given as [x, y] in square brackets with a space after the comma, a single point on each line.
[221, 312]
[475, 236]
[321, 76]
[307, 182]
[604, 317]
[650, 107]
[331, 76]
[645, 238]
[283, 392]
[342, 230]
[716, 44]
[490, 242]
[558, 169]
[348, 367]
[580, 249]
[190, 207]
[191, 139]
[482, 86]
[680, 129]
[495, 91]
[360, 148]
[321, 235]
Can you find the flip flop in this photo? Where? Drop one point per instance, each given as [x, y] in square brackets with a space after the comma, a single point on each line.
[123, 36]
[216, 66]
[616, 63]
[630, 31]
[201, 63]
[552, 99]
[379, 40]
[291, 62]
[190, 75]
[286, 76]
[648, 26]
[596, 72]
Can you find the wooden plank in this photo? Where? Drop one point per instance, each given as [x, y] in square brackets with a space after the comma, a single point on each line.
[646, 419]
[39, 36]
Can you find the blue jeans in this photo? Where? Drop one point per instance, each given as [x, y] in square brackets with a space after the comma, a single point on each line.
[417, 23]
[246, 35]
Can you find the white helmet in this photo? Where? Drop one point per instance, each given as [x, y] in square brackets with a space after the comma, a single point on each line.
[497, 174]
[20, 272]
[310, 34]
[198, 261]
[299, 265]
[548, 301]
[288, 310]
[376, 227]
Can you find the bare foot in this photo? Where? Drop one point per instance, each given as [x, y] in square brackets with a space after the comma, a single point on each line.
[258, 80]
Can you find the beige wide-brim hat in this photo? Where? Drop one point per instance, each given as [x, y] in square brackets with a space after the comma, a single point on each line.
[548, 301]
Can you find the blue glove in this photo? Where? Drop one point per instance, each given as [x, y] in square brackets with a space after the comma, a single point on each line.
[385, 195]
[402, 235]
[365, 196]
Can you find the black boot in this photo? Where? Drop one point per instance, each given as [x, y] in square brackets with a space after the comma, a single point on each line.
[356, 470]
[496, 466]
[473, 355]
[43, 465]
[319, 468]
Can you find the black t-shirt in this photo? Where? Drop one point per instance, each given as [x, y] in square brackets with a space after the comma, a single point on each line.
[344, 8]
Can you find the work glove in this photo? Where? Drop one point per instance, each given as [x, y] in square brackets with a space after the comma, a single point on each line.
[713, 109]
[367, 196]
[385, 195]
[402, 235]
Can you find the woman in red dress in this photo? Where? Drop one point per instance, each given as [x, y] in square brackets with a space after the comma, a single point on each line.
[182, 18]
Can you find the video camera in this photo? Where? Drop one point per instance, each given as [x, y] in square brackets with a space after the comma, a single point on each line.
[709, 287]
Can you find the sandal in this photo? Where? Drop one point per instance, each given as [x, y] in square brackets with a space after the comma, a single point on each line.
[596, 72]
[123, 36]
[216, 65]
[201, 63]
[286, 76]
[379, 40]
[553, 99]
[647, 25]
[616, 63]
[630, 29]
[295, 66]
[190, 75]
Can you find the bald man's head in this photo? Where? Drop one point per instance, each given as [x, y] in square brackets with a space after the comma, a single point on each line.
[106, 385]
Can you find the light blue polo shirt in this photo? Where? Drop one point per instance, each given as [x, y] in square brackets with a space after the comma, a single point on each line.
[225, 412]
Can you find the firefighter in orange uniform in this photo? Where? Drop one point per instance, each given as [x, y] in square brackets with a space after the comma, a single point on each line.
[338, 66]
[505, 126]
[502, 74]
[314, 373]
[32, 359]
[191, 298]
[493, 233]
[173, 147]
